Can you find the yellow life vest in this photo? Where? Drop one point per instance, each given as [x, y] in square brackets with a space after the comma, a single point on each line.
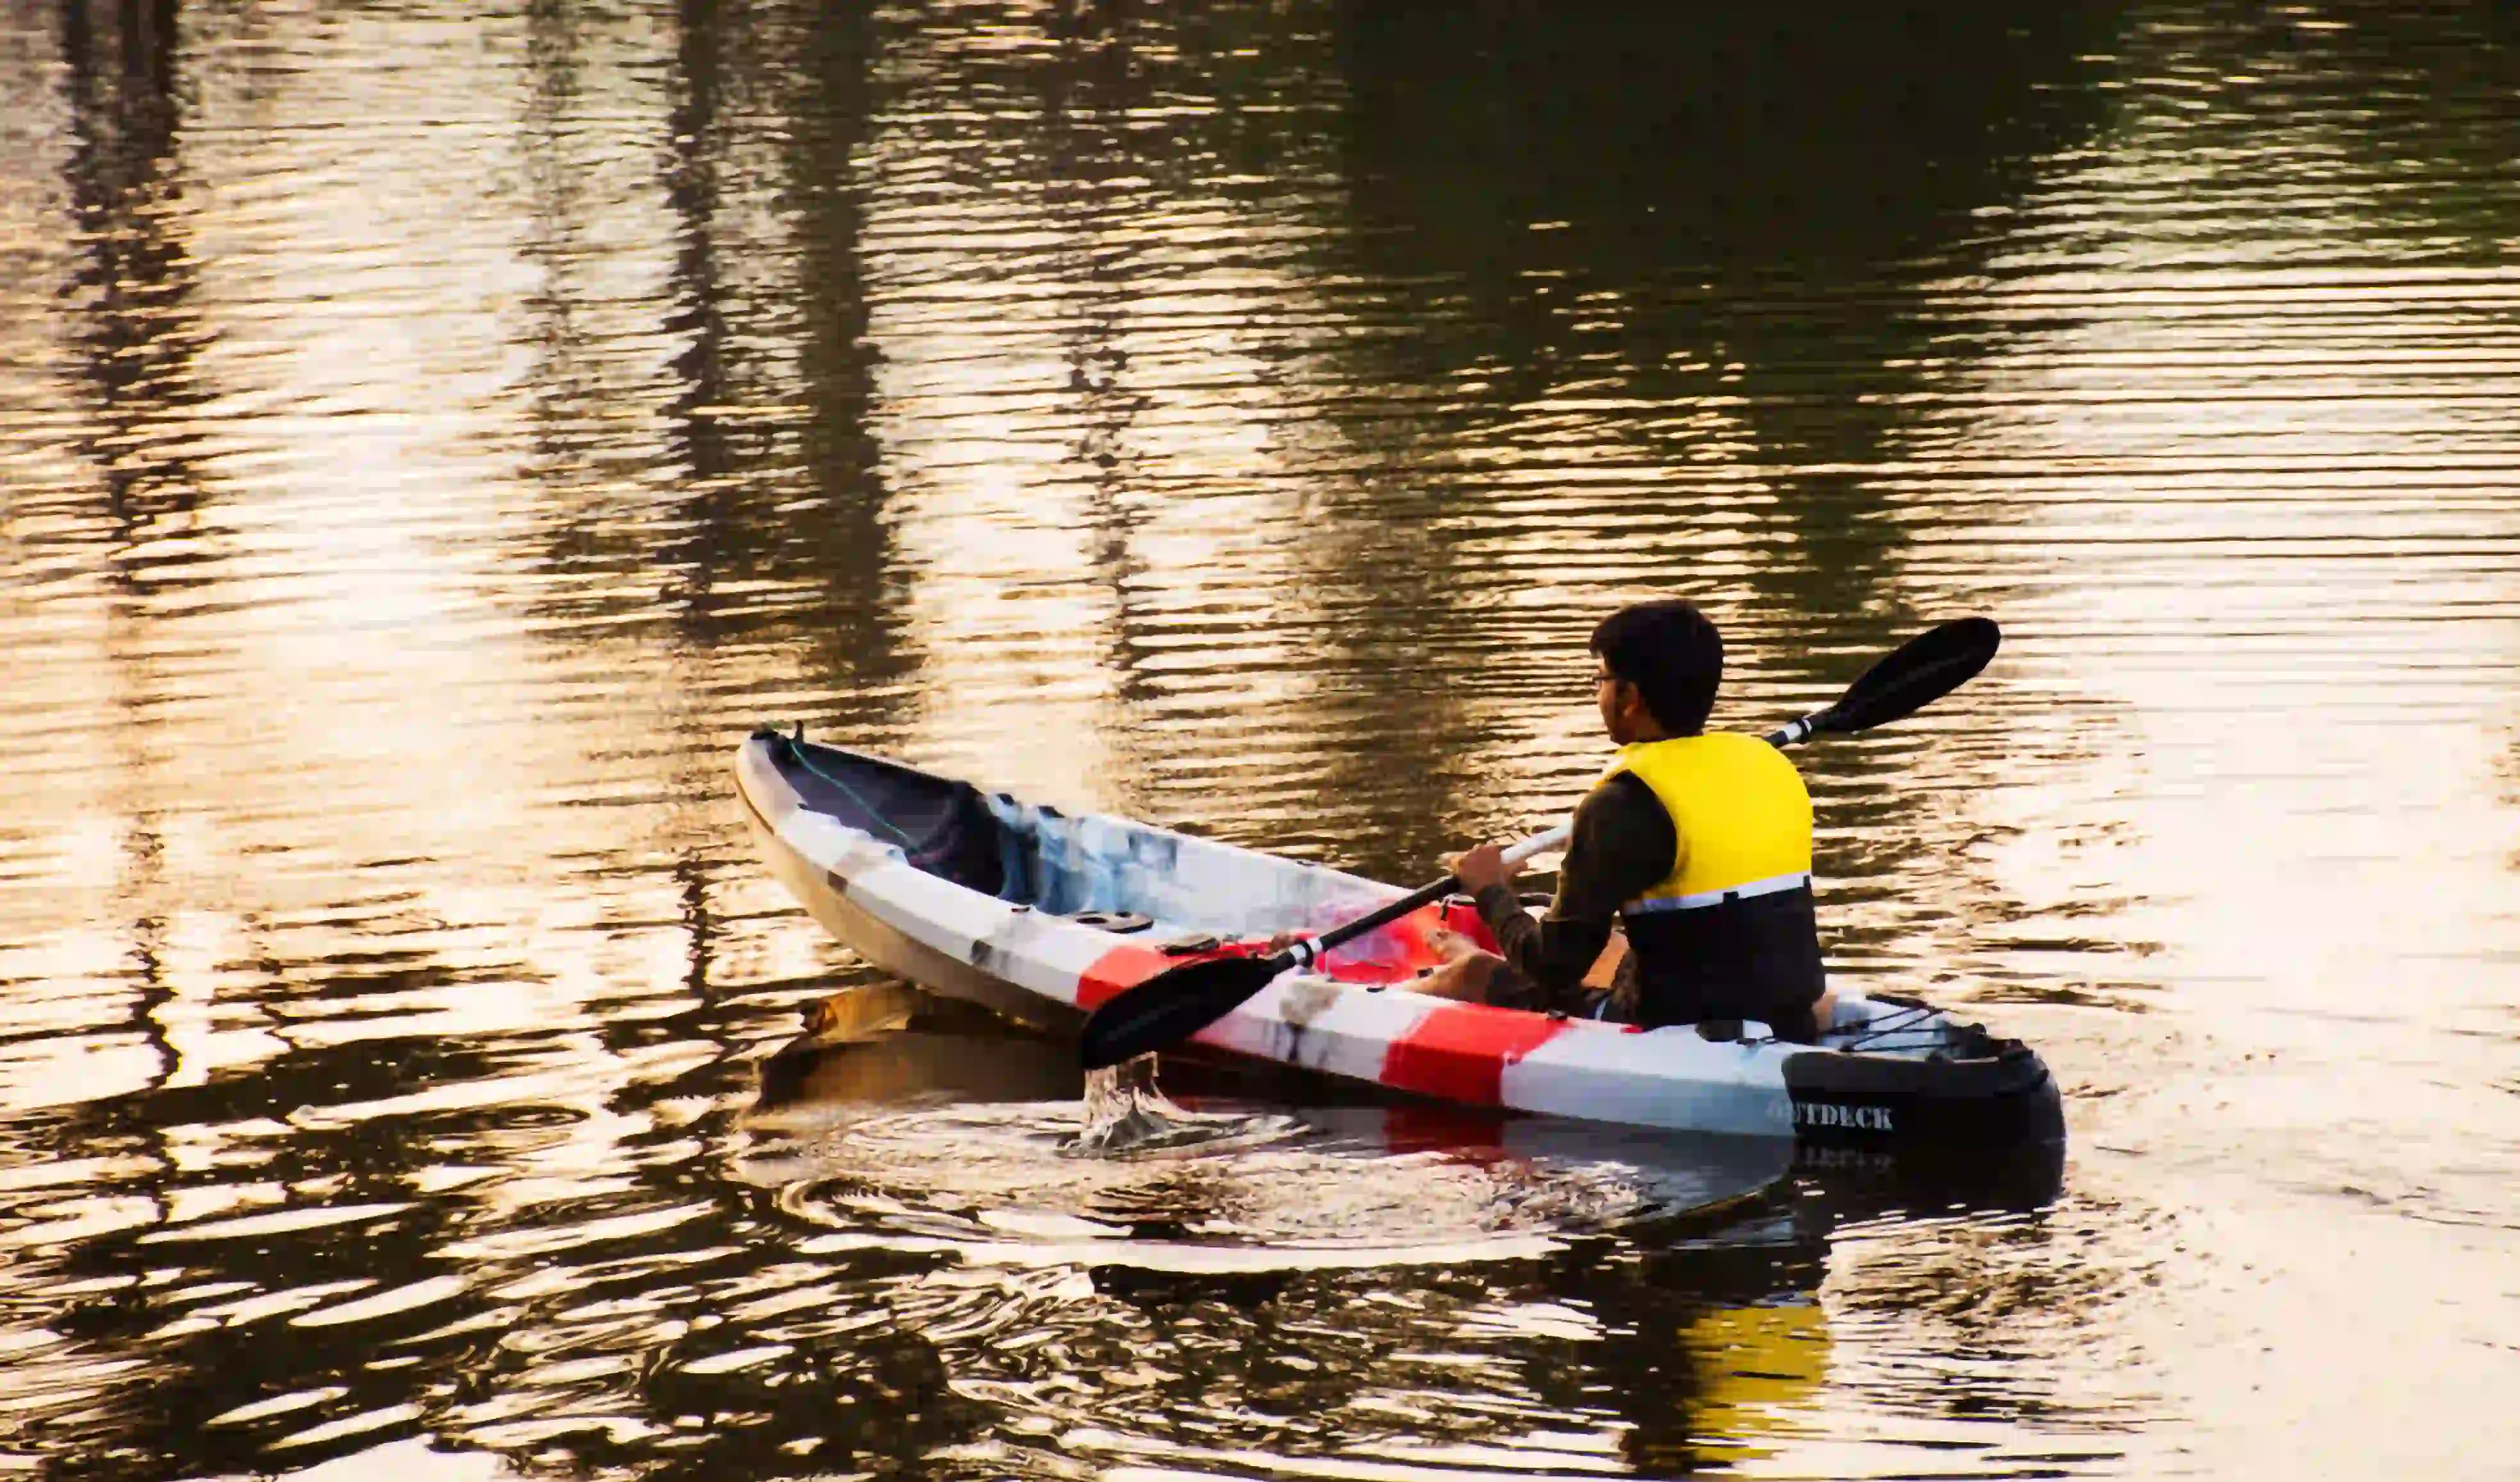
[1741, 812]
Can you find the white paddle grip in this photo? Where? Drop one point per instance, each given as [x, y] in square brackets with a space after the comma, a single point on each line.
[1535, 844]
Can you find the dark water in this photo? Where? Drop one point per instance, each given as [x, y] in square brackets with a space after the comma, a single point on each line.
[431, 434]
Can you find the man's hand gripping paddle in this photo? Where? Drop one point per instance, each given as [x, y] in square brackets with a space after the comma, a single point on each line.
[1176, 1004]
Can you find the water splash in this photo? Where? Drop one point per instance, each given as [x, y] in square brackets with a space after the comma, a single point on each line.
[1125, 1112]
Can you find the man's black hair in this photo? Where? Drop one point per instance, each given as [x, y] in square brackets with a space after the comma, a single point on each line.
[1671, 653]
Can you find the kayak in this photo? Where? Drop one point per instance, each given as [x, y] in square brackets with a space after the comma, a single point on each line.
[1042, 915]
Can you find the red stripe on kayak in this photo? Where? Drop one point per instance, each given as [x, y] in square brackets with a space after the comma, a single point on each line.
[1460, 1051]
[1118, 969]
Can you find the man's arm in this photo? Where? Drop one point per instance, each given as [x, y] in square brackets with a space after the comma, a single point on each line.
[1622, 845]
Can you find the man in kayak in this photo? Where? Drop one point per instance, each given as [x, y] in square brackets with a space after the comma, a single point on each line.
[1701, 845]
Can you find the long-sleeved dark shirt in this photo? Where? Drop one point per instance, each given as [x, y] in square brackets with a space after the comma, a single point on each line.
[1622, 845]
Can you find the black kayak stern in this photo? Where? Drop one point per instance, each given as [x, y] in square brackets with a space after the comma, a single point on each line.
[1980, 1094]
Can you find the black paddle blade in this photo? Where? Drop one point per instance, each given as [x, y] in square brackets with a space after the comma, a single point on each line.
[1172, 1006]
[1918, 672]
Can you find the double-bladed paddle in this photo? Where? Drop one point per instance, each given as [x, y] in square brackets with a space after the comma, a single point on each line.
[1178, 1002]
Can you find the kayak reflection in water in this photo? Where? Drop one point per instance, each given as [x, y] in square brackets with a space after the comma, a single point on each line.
[1697, 845]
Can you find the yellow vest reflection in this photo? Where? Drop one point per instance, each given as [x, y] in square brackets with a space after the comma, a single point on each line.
[1757, 1364]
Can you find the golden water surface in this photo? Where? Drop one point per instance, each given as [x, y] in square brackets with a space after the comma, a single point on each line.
[433, 433]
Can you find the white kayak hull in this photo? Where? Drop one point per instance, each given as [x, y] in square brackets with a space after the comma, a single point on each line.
[987, 898]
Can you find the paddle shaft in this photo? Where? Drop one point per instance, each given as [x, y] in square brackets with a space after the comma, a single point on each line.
[1796, 730]
[1301, 953]
[1304, 953]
